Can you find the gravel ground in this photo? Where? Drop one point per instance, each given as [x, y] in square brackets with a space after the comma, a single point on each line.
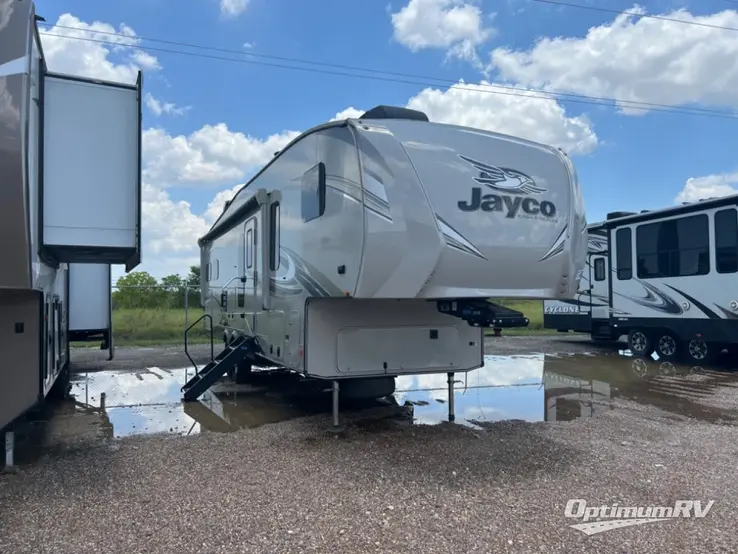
[385, 485]
[293, 487]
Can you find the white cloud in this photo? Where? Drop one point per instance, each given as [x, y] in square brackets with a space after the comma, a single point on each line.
[454, 25]
[526, 116]
[210, 156]
[636, 59]
[119, 61]
[158, 107]
[348, 113]
[709, 186]
[233, 8]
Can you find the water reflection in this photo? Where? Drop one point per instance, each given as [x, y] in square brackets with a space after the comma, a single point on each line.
[532, 388]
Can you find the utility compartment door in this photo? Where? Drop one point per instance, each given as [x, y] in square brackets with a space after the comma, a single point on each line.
[91, 171]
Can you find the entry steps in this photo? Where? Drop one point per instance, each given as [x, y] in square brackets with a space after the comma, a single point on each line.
[240, 350]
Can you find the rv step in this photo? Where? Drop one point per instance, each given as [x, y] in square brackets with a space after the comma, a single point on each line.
[238, 351]
[482, 313]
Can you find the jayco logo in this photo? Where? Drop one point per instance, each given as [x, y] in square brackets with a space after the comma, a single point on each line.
[504, 180]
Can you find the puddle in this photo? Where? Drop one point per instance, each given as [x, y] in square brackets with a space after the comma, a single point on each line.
[533, 388]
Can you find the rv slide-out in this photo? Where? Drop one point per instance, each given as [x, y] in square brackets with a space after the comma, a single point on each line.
[91, 182]
[90, 304]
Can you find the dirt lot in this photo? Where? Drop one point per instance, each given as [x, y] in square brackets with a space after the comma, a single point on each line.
[255, 471]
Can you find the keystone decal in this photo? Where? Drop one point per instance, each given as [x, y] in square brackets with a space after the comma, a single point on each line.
[505, 180]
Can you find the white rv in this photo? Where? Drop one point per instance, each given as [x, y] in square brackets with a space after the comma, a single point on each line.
[367, 248]
[70, 195]
[589, 310]
[670, 280]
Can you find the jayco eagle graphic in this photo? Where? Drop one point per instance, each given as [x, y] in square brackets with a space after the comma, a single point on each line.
[510, 188]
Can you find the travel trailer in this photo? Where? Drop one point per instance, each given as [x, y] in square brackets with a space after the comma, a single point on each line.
[367, 248]
[669, 280]
[589, 311]
[70, 195]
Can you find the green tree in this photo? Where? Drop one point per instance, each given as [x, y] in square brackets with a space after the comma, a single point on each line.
[138, 289]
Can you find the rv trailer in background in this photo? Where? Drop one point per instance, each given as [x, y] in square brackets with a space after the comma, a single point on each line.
[91, 305]
[670, 279]
[367, 248]
[70, 171]
[589, 310]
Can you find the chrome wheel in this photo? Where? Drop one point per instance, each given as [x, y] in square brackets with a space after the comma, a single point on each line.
[640, 367]
[639, 341]
[698, 350]
[667, 346]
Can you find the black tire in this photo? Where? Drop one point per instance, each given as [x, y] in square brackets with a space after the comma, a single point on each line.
[640, 342]
[699, 352]
[243, 373]
[668, 346]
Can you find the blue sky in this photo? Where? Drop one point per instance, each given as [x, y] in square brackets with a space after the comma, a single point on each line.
[212, 123]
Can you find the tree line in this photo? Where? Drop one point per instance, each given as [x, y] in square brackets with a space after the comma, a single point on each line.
[140, 289]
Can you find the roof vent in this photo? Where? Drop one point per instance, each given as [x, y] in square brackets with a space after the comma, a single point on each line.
[394, 112]
[615, 215]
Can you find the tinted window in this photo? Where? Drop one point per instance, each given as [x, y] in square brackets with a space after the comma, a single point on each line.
[249, 248]
[726, 241]
[274, 252]
[600, 269]
[624, 245]
[674, 248]
[313, 192]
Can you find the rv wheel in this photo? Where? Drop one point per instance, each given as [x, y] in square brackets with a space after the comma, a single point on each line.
[640, 343]
[698, 351]
[667, 346]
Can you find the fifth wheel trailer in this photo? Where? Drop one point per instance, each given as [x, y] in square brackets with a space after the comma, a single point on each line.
[367, 248]
[70, 167]
[669, 280]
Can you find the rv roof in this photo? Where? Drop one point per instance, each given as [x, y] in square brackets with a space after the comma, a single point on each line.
[684, 208]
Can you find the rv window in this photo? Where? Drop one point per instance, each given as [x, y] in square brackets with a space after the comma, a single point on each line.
[624, 245]
[674, 248]
[726, 241]
[207, 272]
[217, 269]
[249, 248]
[274, 258]
[600, 269]
[313, 192]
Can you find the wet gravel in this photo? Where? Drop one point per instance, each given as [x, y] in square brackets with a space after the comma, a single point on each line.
[294, 487]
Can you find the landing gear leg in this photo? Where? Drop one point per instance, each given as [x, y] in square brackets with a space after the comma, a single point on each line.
[337, 427]
[9, 451]
[451, 414]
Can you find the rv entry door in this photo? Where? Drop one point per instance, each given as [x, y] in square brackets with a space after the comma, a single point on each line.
[249, 300]
[599, 278]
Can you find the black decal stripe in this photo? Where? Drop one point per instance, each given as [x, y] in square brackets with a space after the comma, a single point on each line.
[708, 312]
[728, 313]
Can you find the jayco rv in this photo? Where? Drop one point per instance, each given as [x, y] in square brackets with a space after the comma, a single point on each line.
[70, 196]
[669, 278]
[367, 248]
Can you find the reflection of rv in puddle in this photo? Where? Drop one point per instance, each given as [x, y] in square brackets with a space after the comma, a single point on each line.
[569, 398]
[531, 388]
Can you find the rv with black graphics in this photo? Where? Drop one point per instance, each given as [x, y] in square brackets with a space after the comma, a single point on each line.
[69, 207]
[367, 248]
[667, 279]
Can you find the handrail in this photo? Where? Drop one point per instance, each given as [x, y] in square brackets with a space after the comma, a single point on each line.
[186, 333]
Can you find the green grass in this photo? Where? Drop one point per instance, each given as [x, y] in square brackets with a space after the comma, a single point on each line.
[153, 327]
